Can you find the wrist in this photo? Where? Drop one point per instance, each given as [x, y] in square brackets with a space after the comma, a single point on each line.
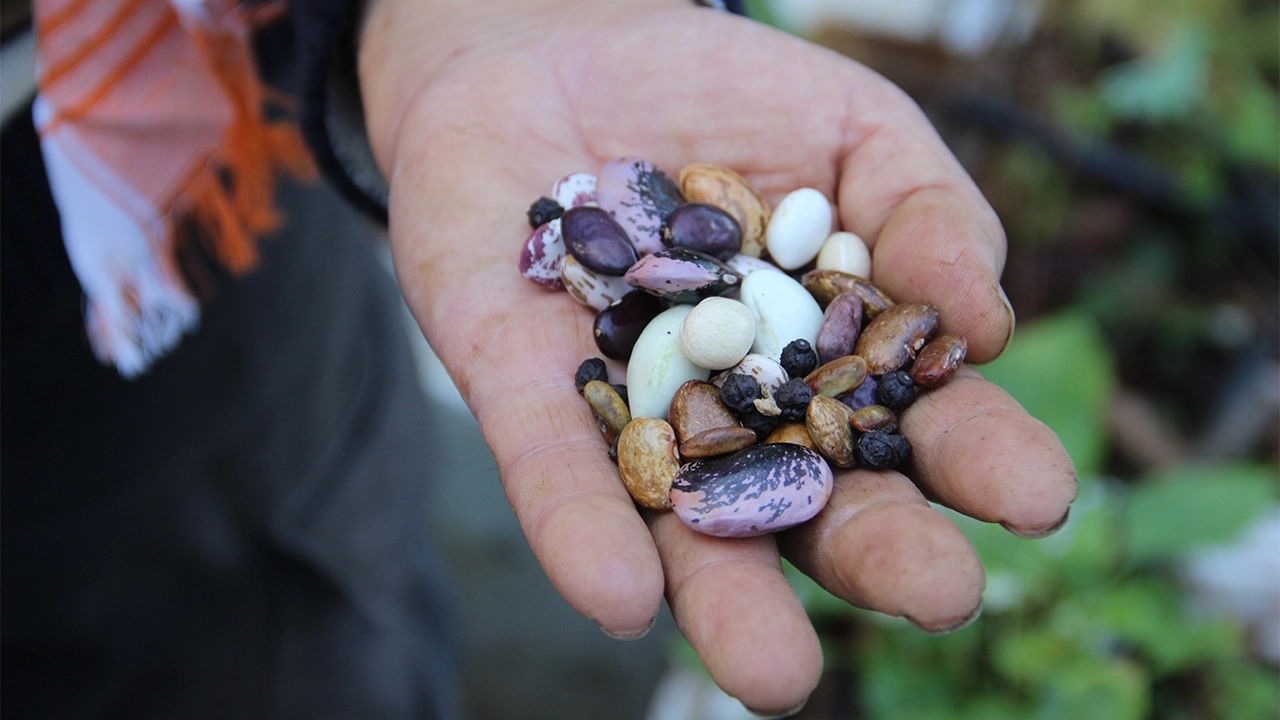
[403, 44]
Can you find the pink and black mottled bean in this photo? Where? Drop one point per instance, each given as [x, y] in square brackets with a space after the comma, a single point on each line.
[760, 490]
[640, 196]
[596, 241]
[682, 276]
[705, 228]
[618, 326]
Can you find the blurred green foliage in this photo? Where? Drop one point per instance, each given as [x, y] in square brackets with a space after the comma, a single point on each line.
[1091, 622]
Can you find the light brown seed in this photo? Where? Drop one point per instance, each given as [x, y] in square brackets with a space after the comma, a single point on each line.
[840, 328]
[717, 441]
[939, 360]
[838, 377]
[871, 417]
[894, 337]
[828, 423]
[825, 285]
[794, 433]
[729, 191]
[647, 461]
[606, 404]
[697, 407]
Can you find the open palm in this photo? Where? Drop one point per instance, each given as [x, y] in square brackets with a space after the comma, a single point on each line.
[491, 130]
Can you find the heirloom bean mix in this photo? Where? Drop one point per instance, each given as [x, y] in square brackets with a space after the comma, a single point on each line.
[758, 351]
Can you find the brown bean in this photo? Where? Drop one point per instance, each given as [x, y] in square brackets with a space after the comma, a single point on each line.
[894, 337]
[794, 433]
[838, 377]
[840, 328]
[939, 360]
[697, 407]
[828, 423]
[606, 405]
[871, 417]
[717, 441]
[647, 461]
[825, 285]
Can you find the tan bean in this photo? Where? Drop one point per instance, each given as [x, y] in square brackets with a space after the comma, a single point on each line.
[828, 423]
[894, 337]
[871, 417]
[606, 405]
[838, 377]
[647, 461]
[825, 285]
[794, 433]
[939, 360]
[697, 407]
[717, 441]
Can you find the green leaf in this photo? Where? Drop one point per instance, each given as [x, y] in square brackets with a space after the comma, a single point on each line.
[1195, 505]
[1114, 689]
[1149, 614]
[1165, 87]
[1062, 372]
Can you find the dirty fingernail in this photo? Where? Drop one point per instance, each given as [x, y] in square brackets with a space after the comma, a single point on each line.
[1037, 534]
[964, 622]
[628, 634]
[773, 716]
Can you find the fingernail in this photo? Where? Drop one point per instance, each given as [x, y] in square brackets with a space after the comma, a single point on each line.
[628, 634]
[769, 716]
[1038, 534]
[1013, 318]
[963, 623]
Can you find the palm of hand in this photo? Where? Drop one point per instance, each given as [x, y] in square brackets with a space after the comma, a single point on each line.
[491, 133]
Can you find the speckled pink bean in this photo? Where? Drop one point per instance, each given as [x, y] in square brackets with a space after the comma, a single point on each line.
[575, 190]
[640, 196]
[760, 490]
[542, 257]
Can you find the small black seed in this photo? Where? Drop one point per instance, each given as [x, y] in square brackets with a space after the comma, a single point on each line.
[879, 451]
[896, 391]
[622, 392]
[740, 392]
[590, 369]
[799, 358]
[793, 398]
[758, 422]
[903, 447]
[544, 211]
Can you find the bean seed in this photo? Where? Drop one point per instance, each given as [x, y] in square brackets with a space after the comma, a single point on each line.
[893, 338]
[840, 327]
[610, 411]
[717, 441]
[939, 360]
[828, 424]
[647, 461]
[838, 377]
[825, 285]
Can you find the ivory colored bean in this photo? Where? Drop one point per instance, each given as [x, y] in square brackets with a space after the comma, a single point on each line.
[591, 288]
[799, 226]
[783, 309]
[717, 333]
[658, 366]
[845, 252]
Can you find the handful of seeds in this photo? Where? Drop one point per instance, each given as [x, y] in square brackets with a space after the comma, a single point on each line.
[751, 368]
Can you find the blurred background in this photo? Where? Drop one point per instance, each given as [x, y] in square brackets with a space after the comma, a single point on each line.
[1131, 148]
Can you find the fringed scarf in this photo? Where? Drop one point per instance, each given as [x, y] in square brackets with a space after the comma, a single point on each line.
[150, 115]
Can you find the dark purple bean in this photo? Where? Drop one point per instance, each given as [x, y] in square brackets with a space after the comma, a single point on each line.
[619, 326]
[705, 228]
[597, 240]
[863, 396]
[840, 328]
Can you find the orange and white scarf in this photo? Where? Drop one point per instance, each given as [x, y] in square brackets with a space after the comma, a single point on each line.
[150, 114]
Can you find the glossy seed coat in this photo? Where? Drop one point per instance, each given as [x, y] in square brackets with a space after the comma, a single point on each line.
[895, 336]
[640, 196]
[618, 326]
[729, 191]
[648, 461]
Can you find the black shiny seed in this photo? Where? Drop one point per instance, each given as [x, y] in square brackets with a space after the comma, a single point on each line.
[881, 451]
[799, 358]
[793, 398]
[740, 392]
[758, 422]
[896, 391]
[622, 393]
[544, 211]
[590, 369]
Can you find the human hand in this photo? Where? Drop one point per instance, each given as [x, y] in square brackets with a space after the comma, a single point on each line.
[475, 109]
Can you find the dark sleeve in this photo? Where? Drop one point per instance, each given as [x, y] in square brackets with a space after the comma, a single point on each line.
[330, 112]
